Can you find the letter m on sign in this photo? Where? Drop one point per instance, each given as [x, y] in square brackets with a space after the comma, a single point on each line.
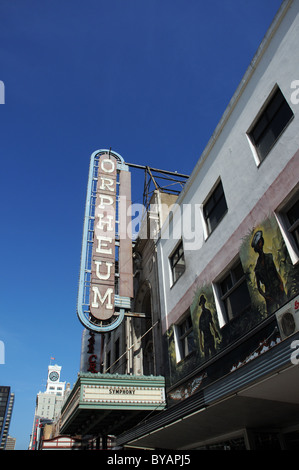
[101, 306]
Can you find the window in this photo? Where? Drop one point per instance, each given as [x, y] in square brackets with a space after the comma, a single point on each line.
[177, 262]
[292, 216]
[108, 361]
[234, 292]
[215, 208]
[185, 337]
[288, 219]
[270, 124]
[116, 350]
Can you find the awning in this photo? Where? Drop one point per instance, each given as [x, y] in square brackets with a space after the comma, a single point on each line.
[262, 394]
[110, 403]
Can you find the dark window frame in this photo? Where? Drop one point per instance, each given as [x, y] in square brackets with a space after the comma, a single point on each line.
[270, 124]
[108, 360]
[293, 224]
[175, 267]
[289, 223]
[185, 336]
[214, 202]
[116, 349]
[231, 284]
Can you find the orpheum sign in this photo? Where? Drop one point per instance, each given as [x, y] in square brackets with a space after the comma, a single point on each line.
[106, 244]
[103, 254]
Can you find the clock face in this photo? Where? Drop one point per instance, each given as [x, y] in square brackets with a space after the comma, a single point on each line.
[53, 376]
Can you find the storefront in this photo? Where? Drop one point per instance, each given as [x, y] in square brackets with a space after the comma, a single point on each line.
[254, 406]
[107, 404]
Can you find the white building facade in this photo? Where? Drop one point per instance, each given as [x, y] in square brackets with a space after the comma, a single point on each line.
[254, 188]
[48, 404]
[228, 264]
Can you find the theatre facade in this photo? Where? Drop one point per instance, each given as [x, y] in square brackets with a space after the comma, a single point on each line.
[191, 329]
[228, 271]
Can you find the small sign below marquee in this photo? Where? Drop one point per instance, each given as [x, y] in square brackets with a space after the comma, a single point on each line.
[96, 397]
[119, 394]
[106, 259]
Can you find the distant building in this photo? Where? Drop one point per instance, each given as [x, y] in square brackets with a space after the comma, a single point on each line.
[48, 404]
[10, 443]
[6, 407]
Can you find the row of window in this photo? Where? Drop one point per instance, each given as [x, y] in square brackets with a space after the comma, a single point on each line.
[264, 133]
[232, 288]
[214, 210]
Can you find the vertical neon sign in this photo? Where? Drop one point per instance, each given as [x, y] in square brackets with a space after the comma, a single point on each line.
[106, 244]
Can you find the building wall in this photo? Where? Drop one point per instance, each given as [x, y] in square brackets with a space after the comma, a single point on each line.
[6, 406]
[254, 193]
[7, 422]
[114, 347]
[146, 286]
[10, 443]
[49, 405]
[138, 340]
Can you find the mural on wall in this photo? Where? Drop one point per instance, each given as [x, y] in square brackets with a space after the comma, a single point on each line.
[272, 280]
[268, 280]
[271, 277]
[206, 335]
[205, 322]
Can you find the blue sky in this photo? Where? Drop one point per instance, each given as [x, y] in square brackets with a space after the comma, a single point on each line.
[148, 78]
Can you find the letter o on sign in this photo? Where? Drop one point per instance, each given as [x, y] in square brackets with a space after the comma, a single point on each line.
[107, 168]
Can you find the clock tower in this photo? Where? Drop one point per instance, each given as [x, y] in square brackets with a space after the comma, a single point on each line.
[48, 403]
[53, 381]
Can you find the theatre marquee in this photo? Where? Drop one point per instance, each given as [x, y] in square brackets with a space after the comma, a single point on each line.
[111, 402]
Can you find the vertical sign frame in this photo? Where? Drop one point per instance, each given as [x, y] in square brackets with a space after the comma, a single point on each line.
[99, 307]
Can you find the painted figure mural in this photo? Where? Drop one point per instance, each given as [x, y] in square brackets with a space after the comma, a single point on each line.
[268, 280]
[207, 329]
[272, 280]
